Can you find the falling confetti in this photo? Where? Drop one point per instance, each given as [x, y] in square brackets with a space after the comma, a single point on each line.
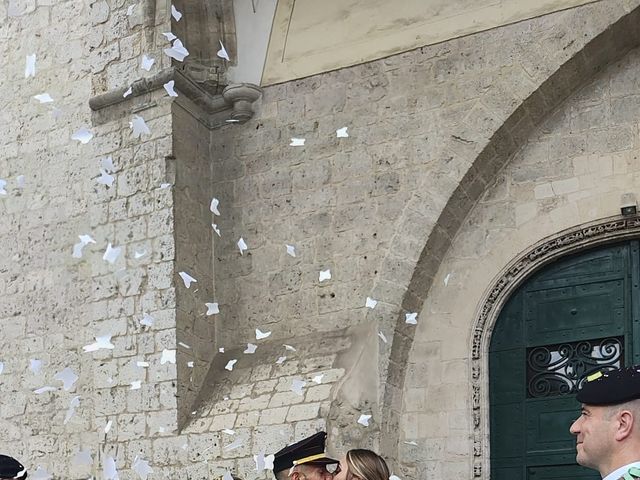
[318, 378]
[175, 13]
[177, 51]
[342, 132]
[242, 246]
[1, 367]
[446, 279]
[35, 366]
[20, 181]
[41, 390]
[67, 377]
[83, 136]
[297, 385]
[222, 53]
[105, 179]
[169, 88]
[39, 474]
[411, 318]
[324, 275]
[136, 385]
[364, 420]
[232, 446]
[168, 356]
[221, 349]
[280, 360]
[289, 347]
[182, 344]
[139, 126]
[43, 98]
[371, 303]
[142, 364]
[187, 279]
[164, 185]
[139, 254]
[30, 66]
[260, 334]
[394, 477]
[214, 206]
[109, 469]
[83, 457]
[78, 247]
[127, 92]
[142, 468]
[111, 254]
[212, 308]
[251, 348]
[216, 229]
[227, 475]
[71, 411]
[297, 142]
[382, 337]
[169, 36]
[263, 462]
[106, 163]
[3, 183]
[291, 250]
[130, 9]
[147, 320]
[147, 63]
[102, 342]
[107, 427]
[230, 364]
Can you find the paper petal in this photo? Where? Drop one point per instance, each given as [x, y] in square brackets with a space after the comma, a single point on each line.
[40, 474]
[83, 135]
[212, 308]
[394, 477]
[371, 303]
[318, 378]
[30, 66]
[101, 342]
[111, 254]
[216, 229]
[177, 50]
[268, 461]
[146, 63]
[251, 348]
[136, 385]
[342, 132]
[260, 334]
[383, 337]
[242, 246]
[227, 475]
[142, 468]
[214, 206]
[297, 385]
[139, 126]
[41, 390]
[3, 183]
[289, 347]
[168, 356]
[169, 36]
[291, 250]
[35, 365]
[109, 470]
[175, 13]
[324, 275]
[364, 420]
[228, 431]
[43, 98]
[105, 179]
[106, 164]
[73, 404]
[411, 318]
[147, 320]
[222, 53]
[259, 459]
[446, 279]
[280, 360]
[130, 9]
[297, 142]
[127, 92]
[169, 88]
[67, 377]
[230, 364]
[20, 181]
[187, 279]
[83, 457]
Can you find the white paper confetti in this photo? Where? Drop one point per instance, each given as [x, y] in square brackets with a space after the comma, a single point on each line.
[177, 51]
[236, 444]
[221, 349]
[216, 229]
[146, 63]
[324, 275]
[175, 13]
[446, 279]
[164, 185]
[222, 53]
[412, 442]
[411, 318]
[136, 385]
[169, 87]
[105, 179]
[182, 344]
[251, 348]
[139, 126]
[383, 337]
[228, 431]
[35, 366]
[371, 303]
[212, 308]
[260, 334]
[289, 347]
[394, 477]
[40, 474]
[130, 9]
[147, 320]
[259, 459]
[364, 420]
[56, 113]
[227, 475]
[43, 98]
[142, 468]
[187, 279]
[127, 92]
[168, 356]
[1, 367]
[230, 364]
[169, 36]
[83, 136]
[318, 378]
[30, 66]
[107, 427]
[41, 390]
[109, 470]
[139, 254]
[68, 378]
[111, 254]
[291, 250]
[297, 385]
[20, 181]
[142, 364]
[268, 461]
[280, 360]
[102, 342]
[242, 246]
[297, 142]
[106, 163]
[71, 411]
[214, 206]
[78, 247]
[83, 457]
[342, 132]
[3, 183]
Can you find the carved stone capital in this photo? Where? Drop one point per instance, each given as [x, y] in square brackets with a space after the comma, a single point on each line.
[241, 96]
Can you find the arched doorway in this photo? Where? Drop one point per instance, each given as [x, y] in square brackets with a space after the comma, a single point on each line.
[576, 315]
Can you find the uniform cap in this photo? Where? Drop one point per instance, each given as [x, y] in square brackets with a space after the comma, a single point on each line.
[611, 387]
[309, 451]
[11, 468]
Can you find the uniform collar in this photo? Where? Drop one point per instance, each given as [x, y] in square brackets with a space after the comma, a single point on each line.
[618, 473]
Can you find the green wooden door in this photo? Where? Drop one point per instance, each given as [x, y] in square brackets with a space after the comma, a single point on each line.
[575, 316]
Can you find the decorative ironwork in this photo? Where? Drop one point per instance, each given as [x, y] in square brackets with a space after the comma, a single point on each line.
[560, 369]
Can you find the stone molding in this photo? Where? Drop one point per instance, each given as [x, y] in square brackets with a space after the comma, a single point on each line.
[569, 241]
[233, 105]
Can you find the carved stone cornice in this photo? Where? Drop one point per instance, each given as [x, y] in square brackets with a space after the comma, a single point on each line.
[233, 105]
[569, 241]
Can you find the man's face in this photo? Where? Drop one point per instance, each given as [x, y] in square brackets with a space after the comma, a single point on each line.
[594, 431]
[311, 472]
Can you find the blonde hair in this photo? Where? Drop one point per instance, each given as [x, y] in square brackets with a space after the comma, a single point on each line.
[367, 465]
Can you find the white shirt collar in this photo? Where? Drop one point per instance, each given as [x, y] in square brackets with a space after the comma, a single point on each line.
[618, 473]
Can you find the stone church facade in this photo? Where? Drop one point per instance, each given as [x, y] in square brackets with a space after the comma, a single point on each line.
[469, 165]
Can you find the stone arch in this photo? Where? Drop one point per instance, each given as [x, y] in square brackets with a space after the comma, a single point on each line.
[488, 157]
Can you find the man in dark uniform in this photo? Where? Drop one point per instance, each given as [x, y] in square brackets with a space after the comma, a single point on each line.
[608, 429]
[11, 468]
[304, 460]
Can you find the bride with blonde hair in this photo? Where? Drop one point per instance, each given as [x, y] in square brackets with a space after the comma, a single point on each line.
[361, 464]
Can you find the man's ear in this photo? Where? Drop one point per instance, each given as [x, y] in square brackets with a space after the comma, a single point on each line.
[625, 424]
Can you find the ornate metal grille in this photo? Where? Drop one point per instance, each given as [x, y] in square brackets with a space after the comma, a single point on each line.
[554, 370]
